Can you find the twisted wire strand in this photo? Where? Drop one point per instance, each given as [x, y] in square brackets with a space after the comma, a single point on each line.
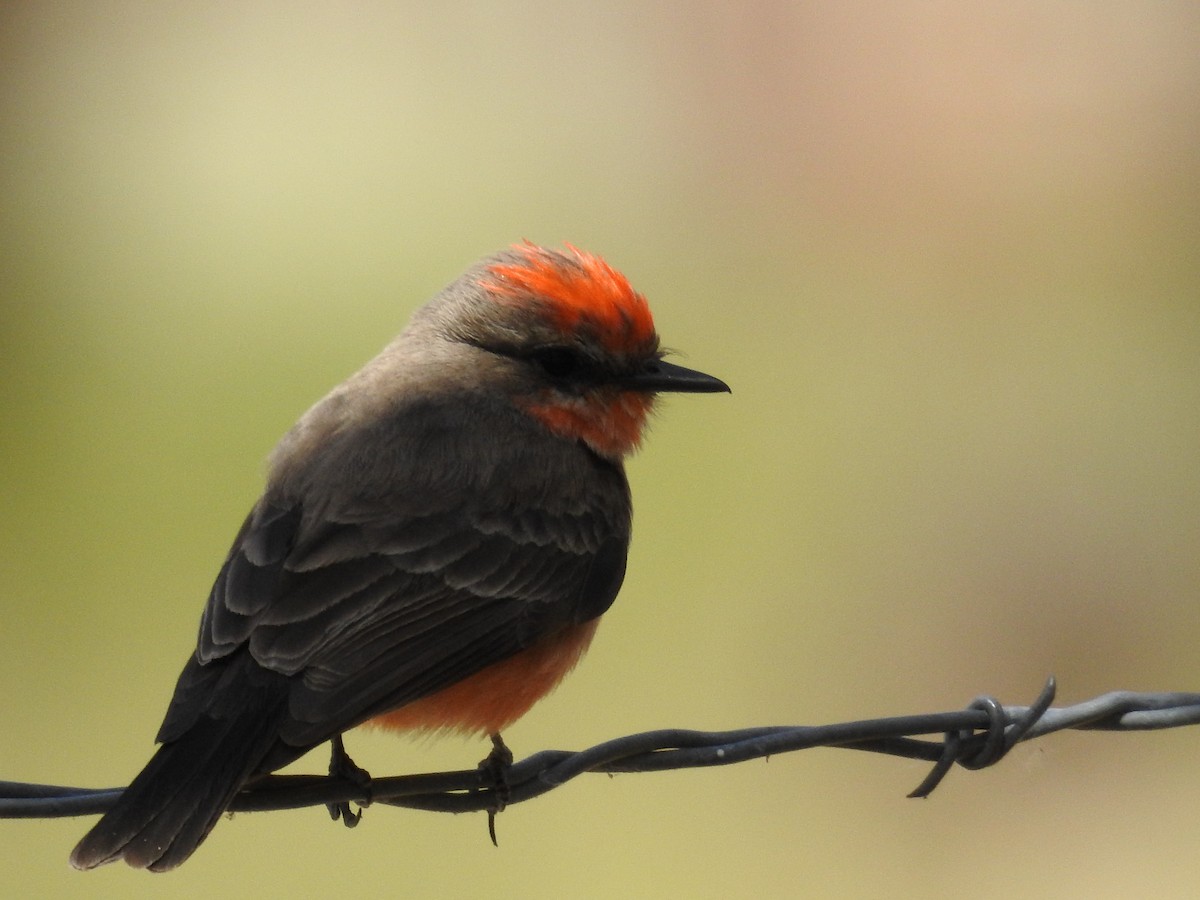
[973, 738]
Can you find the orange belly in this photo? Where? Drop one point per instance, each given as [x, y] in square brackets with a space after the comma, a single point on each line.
[493, 698]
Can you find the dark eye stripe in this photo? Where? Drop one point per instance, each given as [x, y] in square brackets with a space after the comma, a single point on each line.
[559, 362]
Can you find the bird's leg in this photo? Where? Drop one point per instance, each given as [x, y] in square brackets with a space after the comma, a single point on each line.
[495, 770]
[342, 766]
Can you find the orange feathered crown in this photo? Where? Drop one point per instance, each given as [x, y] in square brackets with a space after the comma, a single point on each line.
[581, 288]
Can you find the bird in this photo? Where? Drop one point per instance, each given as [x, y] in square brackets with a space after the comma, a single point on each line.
[436, 541]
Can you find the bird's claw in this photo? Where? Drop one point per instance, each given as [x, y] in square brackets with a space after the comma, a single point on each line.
[494, 771]
[342, 766]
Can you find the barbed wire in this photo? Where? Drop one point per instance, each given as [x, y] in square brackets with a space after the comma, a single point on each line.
[974, 738]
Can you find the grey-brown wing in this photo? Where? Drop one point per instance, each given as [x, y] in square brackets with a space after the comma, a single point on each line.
[364, 615]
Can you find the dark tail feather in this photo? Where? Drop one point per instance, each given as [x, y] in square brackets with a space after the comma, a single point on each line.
[169, 809]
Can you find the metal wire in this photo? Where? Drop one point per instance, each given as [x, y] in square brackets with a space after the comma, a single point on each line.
[974, 738]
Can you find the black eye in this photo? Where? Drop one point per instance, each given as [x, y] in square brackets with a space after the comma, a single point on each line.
[558, 362]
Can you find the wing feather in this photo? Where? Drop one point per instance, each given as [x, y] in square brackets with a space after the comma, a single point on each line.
[374, 602]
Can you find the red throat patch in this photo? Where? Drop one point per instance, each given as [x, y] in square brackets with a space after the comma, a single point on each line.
[589, 292]
[610, 423]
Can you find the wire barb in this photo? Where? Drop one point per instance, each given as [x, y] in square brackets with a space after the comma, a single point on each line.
[978, 736]
[978, 751]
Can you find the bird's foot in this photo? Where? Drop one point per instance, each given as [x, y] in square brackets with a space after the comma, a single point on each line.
[342, 766]
[494, 770]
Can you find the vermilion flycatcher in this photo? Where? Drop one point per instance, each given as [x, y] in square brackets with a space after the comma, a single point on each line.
[435, 544]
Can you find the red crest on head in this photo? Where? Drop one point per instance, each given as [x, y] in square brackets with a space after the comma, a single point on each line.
[580, 289]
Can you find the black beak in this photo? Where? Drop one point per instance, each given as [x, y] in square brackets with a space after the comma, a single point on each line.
[666, 377]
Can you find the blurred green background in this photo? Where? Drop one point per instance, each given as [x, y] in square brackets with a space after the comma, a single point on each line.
[946, 255]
